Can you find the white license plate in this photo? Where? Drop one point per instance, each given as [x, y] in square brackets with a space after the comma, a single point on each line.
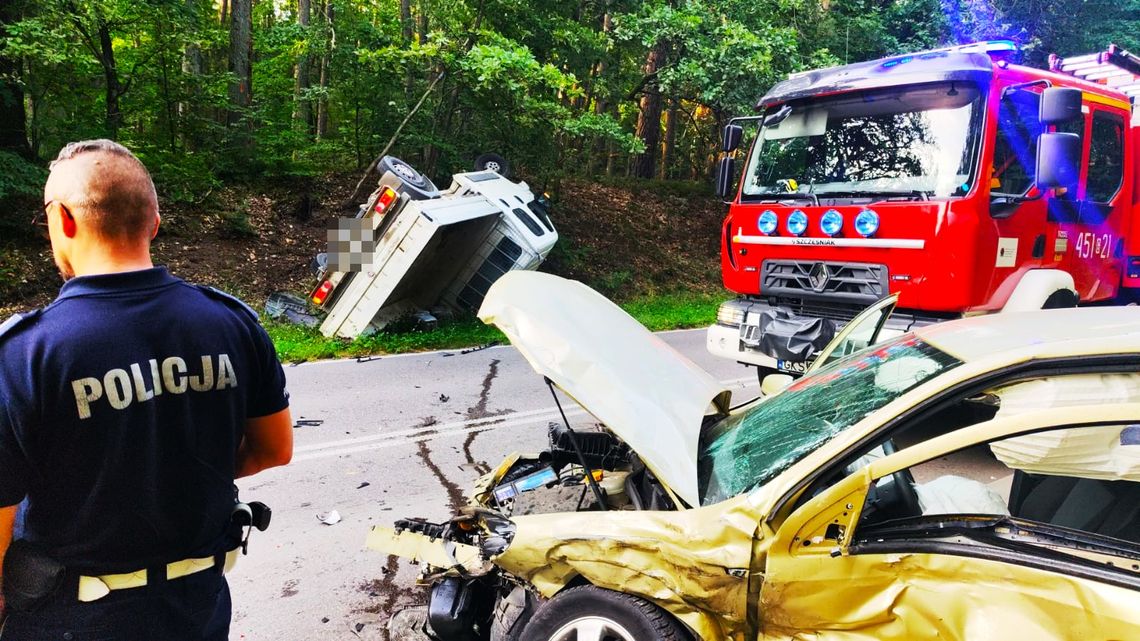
[793, 367]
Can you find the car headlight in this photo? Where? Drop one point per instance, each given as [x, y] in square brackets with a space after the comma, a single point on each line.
[767, 222]
[867, 223]
[797, 223]
[831, 223]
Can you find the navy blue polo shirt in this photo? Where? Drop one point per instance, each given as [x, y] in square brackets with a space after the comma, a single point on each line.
[122, 406]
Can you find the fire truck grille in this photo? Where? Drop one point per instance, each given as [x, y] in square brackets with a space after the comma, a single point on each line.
[841, 312]
[859, 284]
[499, 262]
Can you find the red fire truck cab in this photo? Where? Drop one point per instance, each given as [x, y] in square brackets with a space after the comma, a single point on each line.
[959, 181]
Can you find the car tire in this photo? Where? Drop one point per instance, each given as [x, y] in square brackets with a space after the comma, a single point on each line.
[495, 163]
[405, 179]
[612, 616]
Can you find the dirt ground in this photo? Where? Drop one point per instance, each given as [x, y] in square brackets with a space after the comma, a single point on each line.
[627, 240]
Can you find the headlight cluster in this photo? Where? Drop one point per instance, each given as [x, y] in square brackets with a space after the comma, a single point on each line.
[731, 313]
[830, 224]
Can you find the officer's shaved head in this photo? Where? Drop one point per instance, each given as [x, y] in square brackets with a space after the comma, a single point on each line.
[106, 188]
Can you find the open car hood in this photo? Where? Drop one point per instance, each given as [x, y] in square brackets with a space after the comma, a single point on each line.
[646, 392]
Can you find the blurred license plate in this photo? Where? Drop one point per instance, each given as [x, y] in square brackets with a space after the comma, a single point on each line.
[794, 367]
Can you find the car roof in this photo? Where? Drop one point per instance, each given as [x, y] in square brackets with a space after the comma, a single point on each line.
[1055, 332]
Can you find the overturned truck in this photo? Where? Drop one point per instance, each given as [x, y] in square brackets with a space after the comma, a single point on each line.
[423, 250]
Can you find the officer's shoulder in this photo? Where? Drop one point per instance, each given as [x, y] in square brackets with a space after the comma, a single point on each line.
[17, 323]
[229, 300]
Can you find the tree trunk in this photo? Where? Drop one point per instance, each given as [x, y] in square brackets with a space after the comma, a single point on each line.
[602, 146]
[407, 32]
[649, 116]
[224, 12]
[13, 118]
[422, 22]
[191, 69]
[302, 107]
[240, 59]
[323, 104]
[113, 87]
[668, 150]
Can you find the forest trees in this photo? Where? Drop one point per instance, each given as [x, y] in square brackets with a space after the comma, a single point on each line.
[209, 91]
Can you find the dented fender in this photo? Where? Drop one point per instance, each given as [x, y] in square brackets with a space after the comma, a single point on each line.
[696, 564]
[437, 555]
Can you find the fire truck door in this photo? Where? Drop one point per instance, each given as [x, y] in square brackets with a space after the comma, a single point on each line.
[1089, 221]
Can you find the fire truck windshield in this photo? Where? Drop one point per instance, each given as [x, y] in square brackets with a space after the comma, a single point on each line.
[920, 141]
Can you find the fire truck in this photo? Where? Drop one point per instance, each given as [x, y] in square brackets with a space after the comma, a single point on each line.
[953, 181]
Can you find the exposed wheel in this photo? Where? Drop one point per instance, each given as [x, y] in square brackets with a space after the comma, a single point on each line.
[1060, 299]
[405, 179]
[495, 163]
[589, 613]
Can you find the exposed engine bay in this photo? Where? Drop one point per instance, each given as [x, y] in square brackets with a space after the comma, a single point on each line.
[470, 597]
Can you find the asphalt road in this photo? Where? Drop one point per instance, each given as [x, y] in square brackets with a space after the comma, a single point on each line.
[383, 439]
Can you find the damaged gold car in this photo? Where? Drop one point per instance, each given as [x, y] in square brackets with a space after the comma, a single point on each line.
[975, 479]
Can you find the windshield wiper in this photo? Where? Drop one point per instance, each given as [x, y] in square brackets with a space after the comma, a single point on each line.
[883, 194]
[776, 197]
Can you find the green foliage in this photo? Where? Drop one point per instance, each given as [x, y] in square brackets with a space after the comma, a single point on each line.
[556, 86]
[297, 344]
[19, 179]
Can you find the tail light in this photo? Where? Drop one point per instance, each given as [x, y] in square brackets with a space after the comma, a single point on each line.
[1134, 266]
[385, 200]
[321, 293]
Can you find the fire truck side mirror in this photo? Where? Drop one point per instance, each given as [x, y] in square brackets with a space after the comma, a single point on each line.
[725, 172]
[732, 136]
[1058, 160]
[1060, 105]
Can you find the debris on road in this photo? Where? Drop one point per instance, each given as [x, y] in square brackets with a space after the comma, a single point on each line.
[308, 422]
[479, 348]
[331, 518]
[363, 485]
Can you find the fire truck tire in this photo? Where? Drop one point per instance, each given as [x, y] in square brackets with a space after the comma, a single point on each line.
[1061, 299]
[495, 163]
[404, 178]
[1042, 289]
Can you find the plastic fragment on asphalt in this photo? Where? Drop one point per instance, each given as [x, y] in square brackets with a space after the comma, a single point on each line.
[331, 518]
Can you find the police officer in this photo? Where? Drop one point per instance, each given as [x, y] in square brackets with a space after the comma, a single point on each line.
[128, 406]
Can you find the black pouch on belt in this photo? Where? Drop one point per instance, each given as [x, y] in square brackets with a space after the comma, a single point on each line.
[30, 576]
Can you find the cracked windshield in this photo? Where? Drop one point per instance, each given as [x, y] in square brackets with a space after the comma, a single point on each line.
[752, 446]
[917, 142]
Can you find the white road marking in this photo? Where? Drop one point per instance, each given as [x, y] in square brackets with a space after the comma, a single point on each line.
[406, 436]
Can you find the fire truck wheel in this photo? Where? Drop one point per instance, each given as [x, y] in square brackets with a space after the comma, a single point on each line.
[495, 163]
[1060, 299]
[409, 181]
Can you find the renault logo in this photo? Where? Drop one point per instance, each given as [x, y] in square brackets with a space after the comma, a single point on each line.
[818, 276]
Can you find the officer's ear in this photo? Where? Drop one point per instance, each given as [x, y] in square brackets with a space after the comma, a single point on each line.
[157, 222]
[67, 220]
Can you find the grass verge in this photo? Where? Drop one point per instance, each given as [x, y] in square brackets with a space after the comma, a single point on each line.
[298, 344]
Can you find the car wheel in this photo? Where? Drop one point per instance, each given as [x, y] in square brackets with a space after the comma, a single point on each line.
[407, 179]
[589, 613]
[495, 163]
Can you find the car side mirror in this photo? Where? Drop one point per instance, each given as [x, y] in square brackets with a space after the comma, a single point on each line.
[1060, 105]
[1058, 160]
[725, 172]
[731, 140]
